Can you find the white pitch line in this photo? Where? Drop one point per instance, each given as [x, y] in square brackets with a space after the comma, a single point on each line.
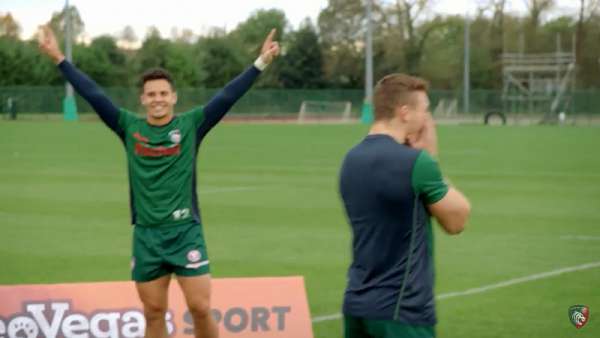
[327, 318]
[234, 189]
[582, 238]
[487, 288]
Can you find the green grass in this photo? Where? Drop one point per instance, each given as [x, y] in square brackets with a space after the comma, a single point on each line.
[64, 204]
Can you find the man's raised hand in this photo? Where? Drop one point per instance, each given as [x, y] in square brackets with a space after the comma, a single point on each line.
[48, 44]
[270, 48]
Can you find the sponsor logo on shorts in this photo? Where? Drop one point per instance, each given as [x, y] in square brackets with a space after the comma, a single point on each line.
[194, 256]
[132, 263]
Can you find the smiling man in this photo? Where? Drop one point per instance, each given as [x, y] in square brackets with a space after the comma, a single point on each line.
[161, 152]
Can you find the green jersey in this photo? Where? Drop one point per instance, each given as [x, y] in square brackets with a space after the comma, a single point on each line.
[161, 164]
[161, 159]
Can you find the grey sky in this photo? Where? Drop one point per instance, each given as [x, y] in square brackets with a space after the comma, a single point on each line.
[111, 16]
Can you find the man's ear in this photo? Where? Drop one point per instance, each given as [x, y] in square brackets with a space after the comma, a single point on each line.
[174, 97]
[401, 113]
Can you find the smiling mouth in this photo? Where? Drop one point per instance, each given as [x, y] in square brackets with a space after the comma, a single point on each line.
[159, 111]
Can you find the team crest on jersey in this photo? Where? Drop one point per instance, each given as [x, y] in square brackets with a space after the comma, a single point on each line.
[175, 136]
[194, 256]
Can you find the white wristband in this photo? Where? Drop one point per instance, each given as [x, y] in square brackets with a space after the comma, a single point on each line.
[260, 64]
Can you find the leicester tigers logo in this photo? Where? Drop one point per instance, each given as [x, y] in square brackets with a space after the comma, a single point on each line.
[579, 315]
[175, 136]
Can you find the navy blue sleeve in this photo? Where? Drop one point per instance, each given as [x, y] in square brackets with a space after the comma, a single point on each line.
[92, 93]
[220, 104]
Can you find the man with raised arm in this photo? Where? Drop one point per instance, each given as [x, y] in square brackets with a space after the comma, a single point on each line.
[161, 150]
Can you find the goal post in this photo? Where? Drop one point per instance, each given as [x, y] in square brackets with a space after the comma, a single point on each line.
[321, 111]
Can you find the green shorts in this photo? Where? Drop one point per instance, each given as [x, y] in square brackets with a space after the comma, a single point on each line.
[367, 328]
[160, 251]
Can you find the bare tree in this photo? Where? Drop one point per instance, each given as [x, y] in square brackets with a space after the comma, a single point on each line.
[152, 32]
[58, 22]
[536, 9]
[9, 26]
[184, 35]
[497, 36]
[187, 35]
[409, 12]
[127, 37]
[587, 9]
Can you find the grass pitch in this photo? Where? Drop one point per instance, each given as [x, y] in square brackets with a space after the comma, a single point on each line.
[269, 201]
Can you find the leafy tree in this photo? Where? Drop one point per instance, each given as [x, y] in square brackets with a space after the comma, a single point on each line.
[341, 28]
[222, 60]
[250, 35]
[302, 64]
[103, 61]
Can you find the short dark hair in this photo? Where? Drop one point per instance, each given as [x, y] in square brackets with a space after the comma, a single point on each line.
[156, 74]
[394, 90]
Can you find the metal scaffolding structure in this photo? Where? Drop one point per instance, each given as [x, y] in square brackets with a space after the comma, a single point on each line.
[536, 83]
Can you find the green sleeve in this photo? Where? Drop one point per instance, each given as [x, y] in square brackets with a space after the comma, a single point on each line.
[427, 180]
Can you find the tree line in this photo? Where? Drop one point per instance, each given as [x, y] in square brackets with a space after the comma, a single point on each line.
[328, 53]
